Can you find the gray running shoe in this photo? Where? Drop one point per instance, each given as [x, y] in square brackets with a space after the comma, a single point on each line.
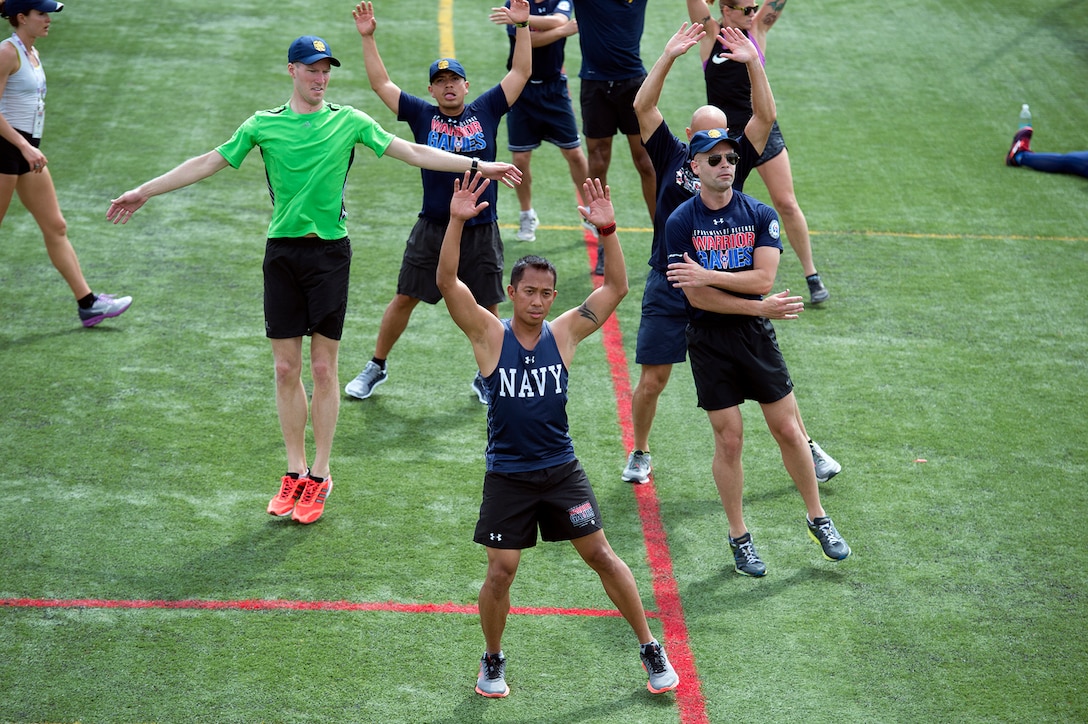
[599, 270]
[826, 466]
[816, 289]
[662, 676]
[480, 388]
[492, 679]
[638, 468]
[104, 307]
[527, 223]
[822, 530]
[363, 386]
[745, 560]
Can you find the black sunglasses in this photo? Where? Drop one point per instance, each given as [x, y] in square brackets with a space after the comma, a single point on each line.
[732, 157]
[746, 10]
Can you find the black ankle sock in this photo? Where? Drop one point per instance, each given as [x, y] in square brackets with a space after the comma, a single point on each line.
[88, 301]
[379, 362]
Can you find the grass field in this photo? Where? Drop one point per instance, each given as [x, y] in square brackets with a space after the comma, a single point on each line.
[141, 579]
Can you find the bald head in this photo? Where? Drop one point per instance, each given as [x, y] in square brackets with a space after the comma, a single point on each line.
[706, 117]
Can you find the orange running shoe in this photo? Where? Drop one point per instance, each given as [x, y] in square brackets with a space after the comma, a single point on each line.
[312, 503]
[284, 501]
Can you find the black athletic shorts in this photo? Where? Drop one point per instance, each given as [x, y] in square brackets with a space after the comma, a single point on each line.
[480, 267]
[557, 500]
[12, 162]
[306, 287]
[608, 106]
[775, 145]
[732, 364]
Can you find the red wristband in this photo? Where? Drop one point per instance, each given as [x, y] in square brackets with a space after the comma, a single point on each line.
[606, 230]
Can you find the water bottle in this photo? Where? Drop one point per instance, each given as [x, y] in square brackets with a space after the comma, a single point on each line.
[1025, 116]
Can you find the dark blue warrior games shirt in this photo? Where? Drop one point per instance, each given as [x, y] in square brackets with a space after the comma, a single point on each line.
[721, 240]
[470, 134]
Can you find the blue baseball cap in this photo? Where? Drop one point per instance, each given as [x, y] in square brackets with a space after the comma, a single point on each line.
[14, 7]
[704, 141]
[309, 49]
[447, 64]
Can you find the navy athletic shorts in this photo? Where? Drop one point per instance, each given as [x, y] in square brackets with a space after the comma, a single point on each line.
[543, 112]
[662, 332]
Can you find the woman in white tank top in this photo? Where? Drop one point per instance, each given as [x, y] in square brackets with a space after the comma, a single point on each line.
[23, 167]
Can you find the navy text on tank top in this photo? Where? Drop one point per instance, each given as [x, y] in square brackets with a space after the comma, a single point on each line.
[527, 415]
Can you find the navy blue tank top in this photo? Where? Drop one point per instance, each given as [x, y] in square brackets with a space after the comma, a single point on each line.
[527, 415]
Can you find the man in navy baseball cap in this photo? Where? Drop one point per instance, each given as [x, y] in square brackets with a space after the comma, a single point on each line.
[705, 141]
[309, 49]
[14, 7]
[446, 64]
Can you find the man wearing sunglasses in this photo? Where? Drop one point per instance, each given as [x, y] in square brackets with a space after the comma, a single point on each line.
[724, 246]
[727, 86]
[661, 334]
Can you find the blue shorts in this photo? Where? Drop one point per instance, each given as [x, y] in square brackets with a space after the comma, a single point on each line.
[732, 364]
[662, 339]
[543, 112]
[775, 145]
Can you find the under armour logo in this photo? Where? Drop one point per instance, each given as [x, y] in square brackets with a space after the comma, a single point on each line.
[496, 536]
[530, 359]
[719, 221]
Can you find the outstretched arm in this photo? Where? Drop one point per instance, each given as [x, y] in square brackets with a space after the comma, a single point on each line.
[481, 327]
[435, 159]
[576, 324]
[376, 73]
[195, 169]
[521, 65]
[649, 94]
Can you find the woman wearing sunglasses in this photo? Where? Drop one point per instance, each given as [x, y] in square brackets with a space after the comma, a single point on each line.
[728, 87]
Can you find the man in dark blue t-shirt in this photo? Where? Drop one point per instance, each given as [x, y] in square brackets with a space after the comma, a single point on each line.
[464, 128]
[544, 111]
[724, 249]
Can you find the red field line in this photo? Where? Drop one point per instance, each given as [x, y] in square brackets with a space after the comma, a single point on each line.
[281, 604]
[689, 695]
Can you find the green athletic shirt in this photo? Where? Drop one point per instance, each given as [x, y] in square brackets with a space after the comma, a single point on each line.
[306, 159]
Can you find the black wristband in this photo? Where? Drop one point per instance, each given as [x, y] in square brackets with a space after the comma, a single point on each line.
[523, 24]
[475, 165]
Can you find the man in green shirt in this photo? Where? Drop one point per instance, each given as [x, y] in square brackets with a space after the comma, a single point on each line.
[307, 146]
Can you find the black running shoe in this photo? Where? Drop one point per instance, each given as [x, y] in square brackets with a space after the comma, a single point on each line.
[744, 557]
[822, 530]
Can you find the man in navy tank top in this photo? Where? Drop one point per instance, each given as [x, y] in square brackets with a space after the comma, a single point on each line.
[533, 480]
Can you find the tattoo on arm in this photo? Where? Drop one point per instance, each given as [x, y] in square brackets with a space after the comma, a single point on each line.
[774, 9]
[586, 312]
[705, 20]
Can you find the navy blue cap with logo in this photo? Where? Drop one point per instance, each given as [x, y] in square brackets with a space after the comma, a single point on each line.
[309, 49]
[14, 7]
[704, 141]
[449, 64]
